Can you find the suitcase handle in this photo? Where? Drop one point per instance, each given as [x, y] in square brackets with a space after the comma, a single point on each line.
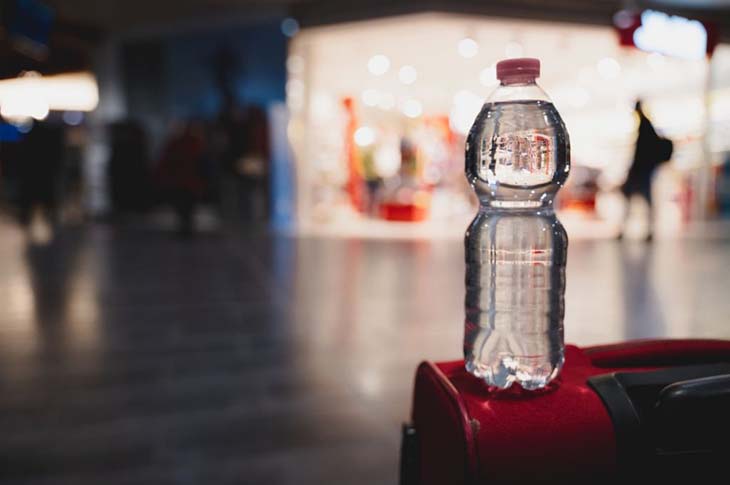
[669, 419]
[692, 415]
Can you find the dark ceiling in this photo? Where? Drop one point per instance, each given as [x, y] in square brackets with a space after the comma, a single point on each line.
[125, 15]
[81, 24]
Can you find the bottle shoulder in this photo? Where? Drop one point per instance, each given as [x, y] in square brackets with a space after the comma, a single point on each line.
[518, 92]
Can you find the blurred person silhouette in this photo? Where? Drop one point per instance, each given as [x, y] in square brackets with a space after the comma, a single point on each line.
[128, 169]
[72, 178]
[41, 154]
[373, 181]
[651, 151]
[241, 136]
[227, 144]
[180, 172]
[252, 164]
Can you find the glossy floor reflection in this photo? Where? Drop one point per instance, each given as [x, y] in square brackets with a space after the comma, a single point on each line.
[127, 357]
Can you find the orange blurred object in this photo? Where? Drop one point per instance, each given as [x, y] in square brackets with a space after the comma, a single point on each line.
[413, 211]
[355, 184]
[403, 212]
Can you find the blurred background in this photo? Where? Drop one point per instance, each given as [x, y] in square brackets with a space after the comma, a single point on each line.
[230, 229]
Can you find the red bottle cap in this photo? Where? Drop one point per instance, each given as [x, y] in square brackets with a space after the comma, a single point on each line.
[519, 70]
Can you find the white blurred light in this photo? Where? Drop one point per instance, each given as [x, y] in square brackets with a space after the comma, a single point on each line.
[378, 65]
[364, 136]
[623, 19]
[289, 27]
[386, 101]
[371, 384]
[387, 159]
[40, 112]
[24, 126]
[23, 109]
[71, 92]
[295, 95]
[33, 96]
[464, 111]
[23, 101]
[295, 64]
[488, 76]
[412, 108]
[73, 118]
[295, 103]
[671, 35]
[608, 68]
[407, 74]
[467, 47]
[513, 49]
[370, 97]
[294, 87]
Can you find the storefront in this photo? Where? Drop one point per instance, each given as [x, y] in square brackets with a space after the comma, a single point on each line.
[380, 110]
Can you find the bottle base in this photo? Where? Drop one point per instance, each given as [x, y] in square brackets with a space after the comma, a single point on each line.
[509, 370]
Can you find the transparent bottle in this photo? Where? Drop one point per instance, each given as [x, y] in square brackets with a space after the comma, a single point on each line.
[517, 157]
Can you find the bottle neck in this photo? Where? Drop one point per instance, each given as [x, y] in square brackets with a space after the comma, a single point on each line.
[525, 90]
[520, 80]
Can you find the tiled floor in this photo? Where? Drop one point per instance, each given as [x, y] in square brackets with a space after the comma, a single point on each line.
[127, 357]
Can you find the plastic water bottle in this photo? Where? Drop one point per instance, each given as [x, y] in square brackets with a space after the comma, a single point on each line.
[517, 157]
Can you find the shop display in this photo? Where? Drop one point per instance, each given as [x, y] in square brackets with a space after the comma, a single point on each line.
[381, 109]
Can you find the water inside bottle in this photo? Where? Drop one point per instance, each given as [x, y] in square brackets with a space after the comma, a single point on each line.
[517, 159]
[515, 281]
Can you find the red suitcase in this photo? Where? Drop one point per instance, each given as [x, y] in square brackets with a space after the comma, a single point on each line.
[654, 410]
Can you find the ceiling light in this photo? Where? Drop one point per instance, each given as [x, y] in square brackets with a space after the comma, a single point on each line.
[407, 74]
[412, 108]
[378, 65]
[468, 47]
[364, 136]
